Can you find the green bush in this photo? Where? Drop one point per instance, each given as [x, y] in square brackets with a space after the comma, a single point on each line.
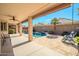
[11, 31]
[76, 40]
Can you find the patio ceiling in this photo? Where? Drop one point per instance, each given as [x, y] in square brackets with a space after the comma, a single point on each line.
[22, 11]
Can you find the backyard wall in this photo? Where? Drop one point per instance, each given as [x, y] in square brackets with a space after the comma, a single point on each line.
[59, 28]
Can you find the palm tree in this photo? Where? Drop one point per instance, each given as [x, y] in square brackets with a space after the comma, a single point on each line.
[54, 21]
[78, 10]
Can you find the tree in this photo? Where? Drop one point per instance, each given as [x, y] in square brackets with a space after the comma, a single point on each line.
[54, 21]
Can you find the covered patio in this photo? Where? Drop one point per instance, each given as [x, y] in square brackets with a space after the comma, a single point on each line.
[28, 12]
[40, 46]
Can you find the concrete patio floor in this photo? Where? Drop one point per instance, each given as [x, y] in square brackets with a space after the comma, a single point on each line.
[57, 45]
[34, 49]
[17, 39]
[42, 46]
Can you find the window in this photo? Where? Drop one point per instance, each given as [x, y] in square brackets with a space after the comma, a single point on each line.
[3, 26]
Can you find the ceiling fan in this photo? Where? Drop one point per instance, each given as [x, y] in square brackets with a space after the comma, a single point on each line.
[12, 17]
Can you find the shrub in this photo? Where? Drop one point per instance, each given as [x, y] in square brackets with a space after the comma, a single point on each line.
[11, 31]
[76, 39]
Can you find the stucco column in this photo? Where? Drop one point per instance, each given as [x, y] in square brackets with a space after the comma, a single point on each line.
[16, 28]
[0, 27]
[30, 28]
[0, 46]
[7, 27]
[20, 28]
[0, 39]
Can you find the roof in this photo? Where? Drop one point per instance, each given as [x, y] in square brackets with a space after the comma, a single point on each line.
[22, 10]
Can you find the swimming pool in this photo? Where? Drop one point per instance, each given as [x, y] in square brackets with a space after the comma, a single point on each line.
[37, 34]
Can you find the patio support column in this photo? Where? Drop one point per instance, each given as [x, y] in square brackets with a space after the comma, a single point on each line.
[20, 29]
[16, 28]
[30, 28]
[0, 39]
[7, 27]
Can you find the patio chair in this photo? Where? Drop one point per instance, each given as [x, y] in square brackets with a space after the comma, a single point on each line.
[6, 47]
[2, 39]
[69, 39]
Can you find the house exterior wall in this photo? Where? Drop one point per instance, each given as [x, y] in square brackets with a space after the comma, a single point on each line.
[8, 22]
[7, 29]
[4, 21]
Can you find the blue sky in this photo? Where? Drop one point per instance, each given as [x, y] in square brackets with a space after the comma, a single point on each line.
[65, 13]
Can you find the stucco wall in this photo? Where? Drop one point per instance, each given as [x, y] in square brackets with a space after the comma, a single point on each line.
[0, 45]
[59, 28]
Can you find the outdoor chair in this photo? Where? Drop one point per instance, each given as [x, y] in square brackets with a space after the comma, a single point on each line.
[69, 39]
[6, 47]
[2, 39]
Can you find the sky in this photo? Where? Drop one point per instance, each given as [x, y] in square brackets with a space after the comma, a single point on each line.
[65, 13]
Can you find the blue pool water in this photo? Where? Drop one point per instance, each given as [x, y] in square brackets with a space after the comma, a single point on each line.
[37, 34]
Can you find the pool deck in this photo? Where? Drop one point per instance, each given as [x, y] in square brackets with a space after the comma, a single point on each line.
[42, 46]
